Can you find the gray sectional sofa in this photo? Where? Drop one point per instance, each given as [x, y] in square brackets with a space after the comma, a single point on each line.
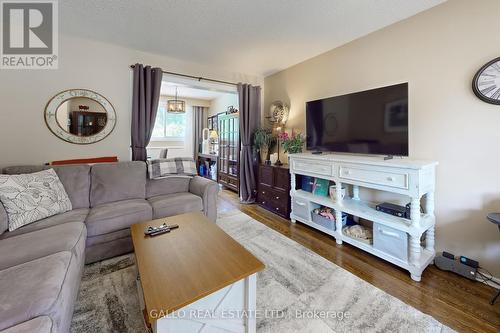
[41, 263]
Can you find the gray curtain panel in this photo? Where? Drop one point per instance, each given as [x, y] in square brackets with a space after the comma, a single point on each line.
[199, 116]
[145, 99]
[249, 97]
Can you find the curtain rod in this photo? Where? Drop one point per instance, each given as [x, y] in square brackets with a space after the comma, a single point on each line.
[199, 78]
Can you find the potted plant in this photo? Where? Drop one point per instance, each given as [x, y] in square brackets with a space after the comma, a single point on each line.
[264, 142]
[292, 144]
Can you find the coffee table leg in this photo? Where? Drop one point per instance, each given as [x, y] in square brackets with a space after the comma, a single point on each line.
[216, 312]
[251, 302]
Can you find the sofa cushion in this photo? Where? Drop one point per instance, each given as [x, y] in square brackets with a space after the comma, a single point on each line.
[109, 237]
[76, 215]
[115, 216]
[117, 181]
[40, 287]
[107, 250]
[75, 178]
[41, 324]
[76, 181]
[4, 221]
[31, 197]
[175, 204]
[41, 243]
[162, 186]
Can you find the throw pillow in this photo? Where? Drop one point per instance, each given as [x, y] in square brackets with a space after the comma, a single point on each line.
[178, 167]
[31, 197]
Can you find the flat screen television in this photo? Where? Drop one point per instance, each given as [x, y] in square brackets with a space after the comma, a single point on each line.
[368, 122]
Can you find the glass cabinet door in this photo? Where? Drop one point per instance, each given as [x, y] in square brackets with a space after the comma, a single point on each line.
[229, 144]
[222, 146]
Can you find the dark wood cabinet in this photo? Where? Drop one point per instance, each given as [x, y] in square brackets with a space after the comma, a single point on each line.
[273, 189]
[229, 151]
[86, 123]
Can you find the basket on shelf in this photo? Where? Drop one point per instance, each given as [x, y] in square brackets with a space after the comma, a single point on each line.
[326, 222]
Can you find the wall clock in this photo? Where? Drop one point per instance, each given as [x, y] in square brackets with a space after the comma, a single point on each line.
[486, 82]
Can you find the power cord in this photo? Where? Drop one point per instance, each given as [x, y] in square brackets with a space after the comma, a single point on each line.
[486, 276]
[488, 279]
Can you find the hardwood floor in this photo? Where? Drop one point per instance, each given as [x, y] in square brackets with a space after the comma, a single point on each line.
[457, 302]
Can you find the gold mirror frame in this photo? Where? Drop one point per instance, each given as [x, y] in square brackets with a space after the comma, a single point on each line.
[55, 102]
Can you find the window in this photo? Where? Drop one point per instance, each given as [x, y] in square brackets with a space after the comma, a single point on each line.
[169, 125]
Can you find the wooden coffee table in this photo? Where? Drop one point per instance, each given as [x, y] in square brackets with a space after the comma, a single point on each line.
[195, 277]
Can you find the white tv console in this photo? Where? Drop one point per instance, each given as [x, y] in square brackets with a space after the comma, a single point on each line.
[415, 179]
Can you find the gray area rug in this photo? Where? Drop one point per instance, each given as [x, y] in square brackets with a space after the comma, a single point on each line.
[302, 291]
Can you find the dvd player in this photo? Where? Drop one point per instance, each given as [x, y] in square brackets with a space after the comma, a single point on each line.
[393, 209]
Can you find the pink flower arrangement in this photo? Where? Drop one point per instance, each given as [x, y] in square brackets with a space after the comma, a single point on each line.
[283, 136]
[292, 143]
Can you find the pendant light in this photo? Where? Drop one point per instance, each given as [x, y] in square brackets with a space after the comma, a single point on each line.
[175, 105]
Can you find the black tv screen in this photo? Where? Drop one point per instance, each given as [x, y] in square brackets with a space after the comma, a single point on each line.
[367, 122]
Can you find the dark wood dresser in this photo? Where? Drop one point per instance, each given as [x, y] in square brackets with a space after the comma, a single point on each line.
[274, 189]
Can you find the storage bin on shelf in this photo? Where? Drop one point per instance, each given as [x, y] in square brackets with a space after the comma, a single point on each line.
[390, 241]
[326, 222]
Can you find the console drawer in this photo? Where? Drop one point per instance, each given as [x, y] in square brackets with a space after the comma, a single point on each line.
[320, 168]
[391, 179]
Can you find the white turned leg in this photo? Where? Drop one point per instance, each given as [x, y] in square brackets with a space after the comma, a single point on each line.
[338, 226]
[415, 211]
[338, 189]
[416, 277]
[429, 239]
[292, 182]
[355, 192]
[415, 249]
[294, 221]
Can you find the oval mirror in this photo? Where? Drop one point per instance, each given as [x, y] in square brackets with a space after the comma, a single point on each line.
[80, 116]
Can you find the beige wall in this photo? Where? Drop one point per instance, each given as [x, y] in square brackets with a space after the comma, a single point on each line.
[438, 53]
[93, 65]
[220, 104]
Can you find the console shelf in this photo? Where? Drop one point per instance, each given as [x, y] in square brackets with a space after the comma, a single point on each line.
[414, 179]
[366, 210]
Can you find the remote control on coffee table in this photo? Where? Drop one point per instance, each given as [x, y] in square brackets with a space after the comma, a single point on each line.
[164, 228]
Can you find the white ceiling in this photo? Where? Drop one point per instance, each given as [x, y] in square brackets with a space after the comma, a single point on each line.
[256, 37]
[184, 91]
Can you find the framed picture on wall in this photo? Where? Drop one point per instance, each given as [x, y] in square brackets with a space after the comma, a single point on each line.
[215, 123]
[212, 123]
